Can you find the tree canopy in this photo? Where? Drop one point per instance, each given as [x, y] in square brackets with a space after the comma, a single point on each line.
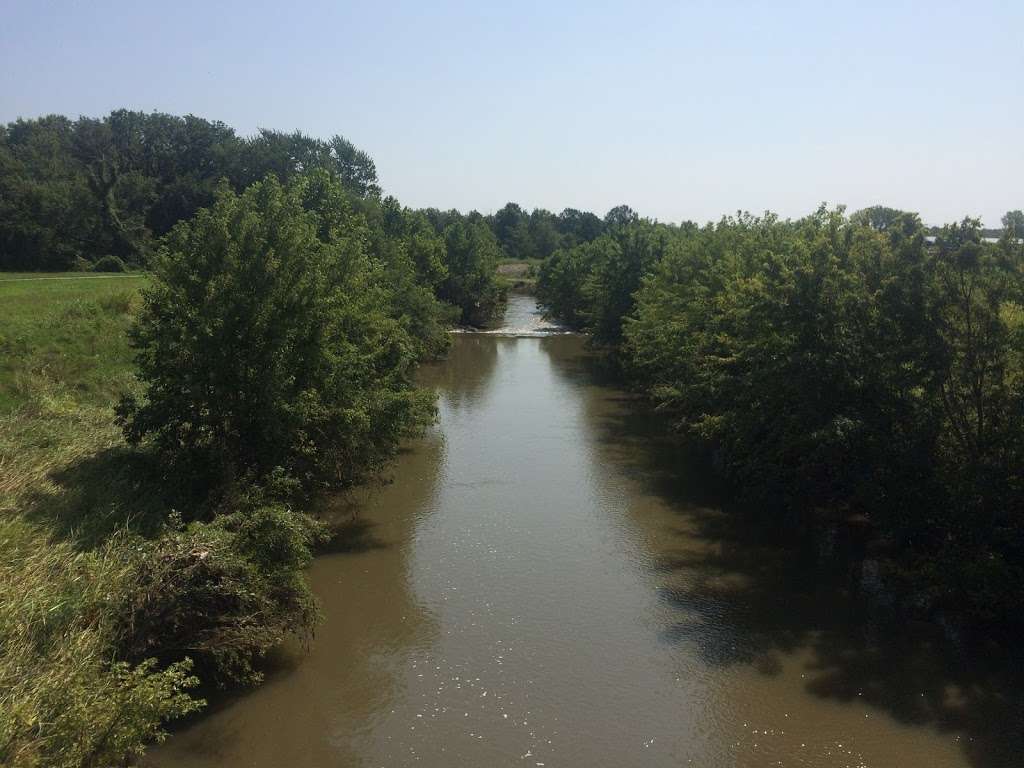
[72, 192]
[270, 340]
[834, 362]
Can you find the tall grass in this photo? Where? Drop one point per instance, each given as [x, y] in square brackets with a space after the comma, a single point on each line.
[106, 596]
[64, 701]
[65, 339]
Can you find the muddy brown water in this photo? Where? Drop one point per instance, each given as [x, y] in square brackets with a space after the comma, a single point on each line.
[545, 582]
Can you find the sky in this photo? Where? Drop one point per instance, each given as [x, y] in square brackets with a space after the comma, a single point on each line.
[682, 110]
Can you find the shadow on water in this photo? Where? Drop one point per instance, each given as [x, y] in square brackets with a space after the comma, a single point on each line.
[352, 538]
[743, 588]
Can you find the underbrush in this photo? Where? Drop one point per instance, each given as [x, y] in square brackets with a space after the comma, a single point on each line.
[65, 697]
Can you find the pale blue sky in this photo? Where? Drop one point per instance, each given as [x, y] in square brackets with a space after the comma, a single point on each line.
[682, 110]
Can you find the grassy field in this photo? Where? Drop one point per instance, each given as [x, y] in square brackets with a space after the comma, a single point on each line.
[68, 489]
[64, 360]
[518, 275]
[8, 277]
[63, 337]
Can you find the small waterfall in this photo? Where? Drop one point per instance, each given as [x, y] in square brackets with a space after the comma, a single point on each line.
[523, 318]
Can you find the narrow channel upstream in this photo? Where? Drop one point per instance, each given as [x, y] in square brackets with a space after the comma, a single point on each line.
[542, 583]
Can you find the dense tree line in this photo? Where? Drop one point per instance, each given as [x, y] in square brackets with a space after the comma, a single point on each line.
[74, 191]
[526, 236]
[847, 364]
[101, 193]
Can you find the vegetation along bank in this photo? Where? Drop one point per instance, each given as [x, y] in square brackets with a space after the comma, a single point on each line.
[164, 435]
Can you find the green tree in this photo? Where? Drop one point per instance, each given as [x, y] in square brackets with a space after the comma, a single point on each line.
[106, 150]
[578, 227]
[471, 258]
[836, 364]
[560, 284]
[511, 227]
[544, 235]
[1013, 224]
[413, 258]
[49, 217]
[77, 191]
[287, 155]
[265, 342]
[592, 286]
[620, 216]
[878, 217]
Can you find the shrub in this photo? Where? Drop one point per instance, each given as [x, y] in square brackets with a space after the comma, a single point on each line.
[119, 303]
[223, 593]
[65, 701]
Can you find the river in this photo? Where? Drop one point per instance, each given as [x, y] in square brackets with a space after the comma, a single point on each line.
[544, 582]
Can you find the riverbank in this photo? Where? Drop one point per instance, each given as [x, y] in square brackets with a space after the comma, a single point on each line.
[519, 276]
[547, 579]
[108, 600]
[69, 498]
[117, 584]
[543, 545]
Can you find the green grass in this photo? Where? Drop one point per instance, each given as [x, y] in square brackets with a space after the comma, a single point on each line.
[65, 339]
[69, 491]
[514, 274]
[7, 277]
[64, 360]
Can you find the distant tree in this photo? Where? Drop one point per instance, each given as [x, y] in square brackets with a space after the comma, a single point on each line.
[620, 216]
[878, 217]
[620, 260]
[544, 235]
[506, 220]
[578, 227]
[288, 154]
[354, 168]
[593, 285]
[471, 258]
[108, 151]
[440, 220]
[560, 283]
[511, 227]
[110, 186]
[188, 156]
[1013, 224]
[413, 258]
[48, 214]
